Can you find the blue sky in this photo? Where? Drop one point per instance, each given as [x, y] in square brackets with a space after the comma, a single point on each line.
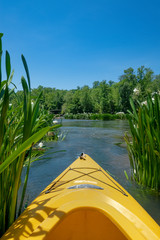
[70, 43]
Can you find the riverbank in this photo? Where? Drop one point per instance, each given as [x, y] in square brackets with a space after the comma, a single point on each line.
[95, 116]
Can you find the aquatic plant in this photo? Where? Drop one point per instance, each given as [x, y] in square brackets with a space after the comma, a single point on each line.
[144, 144]
[21, 127]
[94, 116]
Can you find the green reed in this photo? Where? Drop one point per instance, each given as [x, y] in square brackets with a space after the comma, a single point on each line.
[144, 149]
[21, 127]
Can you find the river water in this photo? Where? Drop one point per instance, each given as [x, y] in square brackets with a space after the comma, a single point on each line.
[103, 141]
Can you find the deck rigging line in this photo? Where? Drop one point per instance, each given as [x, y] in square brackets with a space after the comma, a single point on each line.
[116, 187]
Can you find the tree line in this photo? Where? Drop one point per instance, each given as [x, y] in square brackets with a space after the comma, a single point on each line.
[103, 97]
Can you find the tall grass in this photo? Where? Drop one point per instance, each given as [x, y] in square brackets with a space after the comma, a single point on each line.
[144, 149]
[20, 128]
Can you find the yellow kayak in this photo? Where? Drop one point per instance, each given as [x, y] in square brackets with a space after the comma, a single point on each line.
[84, 202]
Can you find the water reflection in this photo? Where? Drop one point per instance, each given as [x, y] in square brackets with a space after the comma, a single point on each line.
[103, 141]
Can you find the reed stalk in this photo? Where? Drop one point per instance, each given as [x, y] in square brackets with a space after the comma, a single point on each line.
[144, 149]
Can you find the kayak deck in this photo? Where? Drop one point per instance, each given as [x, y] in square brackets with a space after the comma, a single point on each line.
[84, 202]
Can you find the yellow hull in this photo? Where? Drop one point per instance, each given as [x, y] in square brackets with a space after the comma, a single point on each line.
[83, 203]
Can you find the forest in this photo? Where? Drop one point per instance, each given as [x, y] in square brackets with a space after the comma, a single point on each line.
[103, 97]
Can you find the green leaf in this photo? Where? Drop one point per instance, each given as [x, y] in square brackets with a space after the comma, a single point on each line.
[25, 90]
[1, 34]
[134, 109]
[126, 175]
[27, 71]
[36, 110]
[5, 105]
[8, 65]
[26, 145]
[2, 87]
[10, 79]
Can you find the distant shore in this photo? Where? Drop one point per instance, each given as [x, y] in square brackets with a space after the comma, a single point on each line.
[95, 116]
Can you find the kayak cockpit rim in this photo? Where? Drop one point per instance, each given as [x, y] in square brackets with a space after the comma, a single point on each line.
[82, 217]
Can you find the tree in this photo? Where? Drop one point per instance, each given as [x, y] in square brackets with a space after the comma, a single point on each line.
[110, 82]
[129, 76]
[85, 100]
[96, 84]
[156, 84]
[144, 78]
[103, 97]
[125, 91]
[96, 98]
[128, 82]
[72, 102]
[104, 93]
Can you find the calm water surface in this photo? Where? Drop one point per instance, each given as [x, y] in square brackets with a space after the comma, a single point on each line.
[103, 141]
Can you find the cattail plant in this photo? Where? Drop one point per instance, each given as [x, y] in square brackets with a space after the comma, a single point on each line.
[144, 148]
[20, 128]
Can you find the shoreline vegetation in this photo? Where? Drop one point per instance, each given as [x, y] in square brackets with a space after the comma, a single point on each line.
[95, 116]
[22, 125]
[144, 146]
[104, 97]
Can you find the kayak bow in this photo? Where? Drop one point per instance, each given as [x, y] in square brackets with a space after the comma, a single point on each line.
[84, 202]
